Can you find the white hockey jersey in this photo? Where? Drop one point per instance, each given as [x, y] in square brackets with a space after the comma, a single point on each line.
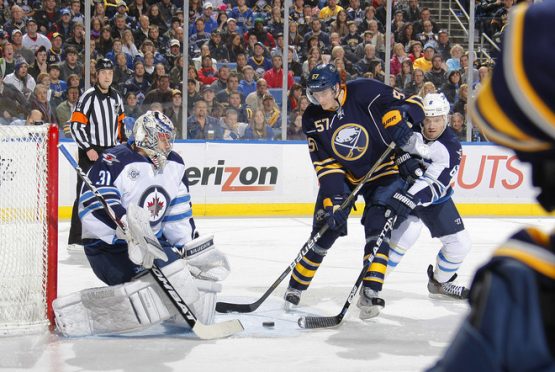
[440, 158]
[124, 176]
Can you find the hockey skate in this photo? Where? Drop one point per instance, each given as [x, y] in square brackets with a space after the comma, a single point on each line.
[79, 248]
[292, 298]
[447, 289]
[369, 303]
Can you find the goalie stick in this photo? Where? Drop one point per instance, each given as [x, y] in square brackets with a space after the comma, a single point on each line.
[203, 331]
[226, 307]
[335, 320]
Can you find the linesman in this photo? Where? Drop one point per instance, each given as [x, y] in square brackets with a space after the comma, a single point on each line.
[96, 125]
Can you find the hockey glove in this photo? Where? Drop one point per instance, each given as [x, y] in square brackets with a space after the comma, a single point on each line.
[335, 217]
[409, 167]
[142, 245]
[204, 260]
[397, 127]
[402, 204]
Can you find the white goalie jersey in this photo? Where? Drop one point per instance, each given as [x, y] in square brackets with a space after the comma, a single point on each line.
[123, 177]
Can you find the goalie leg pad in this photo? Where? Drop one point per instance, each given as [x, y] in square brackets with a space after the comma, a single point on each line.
[135, 305]
[107, 310]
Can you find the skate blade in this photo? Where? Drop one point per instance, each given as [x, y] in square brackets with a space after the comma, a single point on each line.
[442, 297]
[369, 312]
[289, 307]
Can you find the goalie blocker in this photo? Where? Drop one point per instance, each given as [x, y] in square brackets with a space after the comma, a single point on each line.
[139, 304]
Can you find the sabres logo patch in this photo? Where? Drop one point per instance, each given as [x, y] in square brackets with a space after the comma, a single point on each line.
[350, 141]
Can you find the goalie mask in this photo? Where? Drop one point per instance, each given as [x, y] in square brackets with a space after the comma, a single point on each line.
[436, 109]
[154, 133]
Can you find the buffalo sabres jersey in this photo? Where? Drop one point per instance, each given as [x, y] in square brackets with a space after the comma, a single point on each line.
[124, 176]
[345, 144]
[440, 158]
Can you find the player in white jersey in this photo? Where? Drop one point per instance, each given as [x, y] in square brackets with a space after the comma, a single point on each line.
[144, 182]
[439, 153]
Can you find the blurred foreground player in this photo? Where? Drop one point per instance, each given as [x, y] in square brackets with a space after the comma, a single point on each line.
[439, 156]
[348, 127]
[144, 182]
[511, 326]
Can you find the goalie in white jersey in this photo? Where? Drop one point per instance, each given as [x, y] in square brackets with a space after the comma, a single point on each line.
[144, 182]
[439, 154]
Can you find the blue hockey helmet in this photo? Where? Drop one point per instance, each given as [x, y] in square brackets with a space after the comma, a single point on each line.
[321, 78]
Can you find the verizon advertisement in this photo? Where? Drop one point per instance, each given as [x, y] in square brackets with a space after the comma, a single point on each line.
[267, 173]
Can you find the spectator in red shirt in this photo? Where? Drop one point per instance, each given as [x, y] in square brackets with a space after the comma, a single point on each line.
[274, 76]
[207, 73]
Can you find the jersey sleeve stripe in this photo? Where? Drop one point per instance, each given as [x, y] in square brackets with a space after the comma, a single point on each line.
[322, 174]
[323, 162]
[95, 206]
[180, 200]
[178, 217]
[330, 166]
[415, 100]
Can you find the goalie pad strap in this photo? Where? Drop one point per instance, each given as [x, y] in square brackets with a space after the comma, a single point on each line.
[199, 248]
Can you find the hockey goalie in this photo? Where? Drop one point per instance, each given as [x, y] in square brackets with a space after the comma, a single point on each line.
[145, 184]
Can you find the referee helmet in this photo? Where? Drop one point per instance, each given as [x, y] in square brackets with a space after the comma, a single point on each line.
[104, 64]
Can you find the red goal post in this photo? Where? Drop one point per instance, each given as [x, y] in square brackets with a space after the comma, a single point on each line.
[28, 227]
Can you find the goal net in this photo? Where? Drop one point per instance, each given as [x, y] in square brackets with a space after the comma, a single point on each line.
[28, 227]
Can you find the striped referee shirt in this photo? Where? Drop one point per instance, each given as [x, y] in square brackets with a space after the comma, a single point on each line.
[98, 119]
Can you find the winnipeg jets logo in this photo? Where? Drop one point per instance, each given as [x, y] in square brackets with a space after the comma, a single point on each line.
[155, 200]
[109, 159]
[155, 206]
[350, 141]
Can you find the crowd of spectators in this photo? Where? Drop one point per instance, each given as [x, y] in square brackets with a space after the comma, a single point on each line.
[235, 57]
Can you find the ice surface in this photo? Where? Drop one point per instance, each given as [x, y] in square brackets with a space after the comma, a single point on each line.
[409, 335]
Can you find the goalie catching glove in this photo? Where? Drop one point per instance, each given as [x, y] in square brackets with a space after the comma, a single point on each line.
[204, 260]
[142, 245]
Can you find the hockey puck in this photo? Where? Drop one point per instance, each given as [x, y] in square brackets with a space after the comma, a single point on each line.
[268, 324]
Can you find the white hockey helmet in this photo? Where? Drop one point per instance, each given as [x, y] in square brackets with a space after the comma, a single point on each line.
[154, 133]
[435, 104]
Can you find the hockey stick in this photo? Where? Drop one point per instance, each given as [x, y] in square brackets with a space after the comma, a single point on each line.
[335, 320]
[203, 331]
[226, 307]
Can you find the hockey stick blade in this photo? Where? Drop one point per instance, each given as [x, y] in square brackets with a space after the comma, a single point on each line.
[311, 322]
[203, 331]
[227, 307]
[218, 330]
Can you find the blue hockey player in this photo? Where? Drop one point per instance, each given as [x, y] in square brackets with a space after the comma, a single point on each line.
[145, 183]
[348, 127]
[511, 326]
[439, 154]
